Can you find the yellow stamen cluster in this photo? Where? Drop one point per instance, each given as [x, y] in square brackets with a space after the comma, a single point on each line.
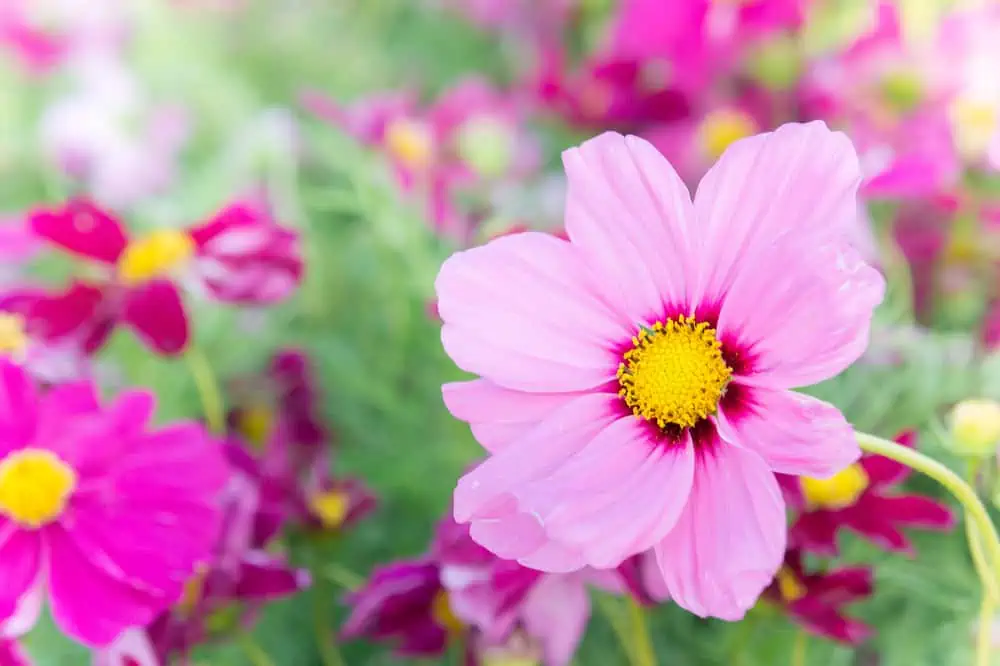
[443, 614]
[155, 255]
[674, 374]
[410, 142]
[722, 128]
[13, 338]
[35, 486]
[839, 491]
[790, 587]
[974, 122]
[255, 423]
[331, 507]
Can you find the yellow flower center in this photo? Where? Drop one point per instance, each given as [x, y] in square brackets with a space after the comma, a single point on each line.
[330, 507]
[13, 338]
[410, 142]
[723, 127]
[34, 487]
[194, 588]
[443, 614]
[155, 255]
[841, 490]
[974, 121]
[255, 424]
[674, 374]
[790, 587]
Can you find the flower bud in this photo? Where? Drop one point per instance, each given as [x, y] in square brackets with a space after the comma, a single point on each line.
[975, 428]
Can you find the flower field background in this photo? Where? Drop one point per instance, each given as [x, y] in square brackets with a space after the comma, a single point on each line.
[326, 117]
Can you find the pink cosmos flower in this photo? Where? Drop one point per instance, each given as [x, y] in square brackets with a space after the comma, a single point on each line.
[101, 514]
[634, 388]
[24, 338]
[815, 599]
[859, 498]
[240, 255]
[108, 136]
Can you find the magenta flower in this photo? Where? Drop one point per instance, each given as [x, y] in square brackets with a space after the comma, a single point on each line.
[608, 92]
[97, 512]
[406, 604]
[24, 338]
[815, 600]
[656, 350]
[239, 256]
[11, 654]
[228, 590]
[860, 498]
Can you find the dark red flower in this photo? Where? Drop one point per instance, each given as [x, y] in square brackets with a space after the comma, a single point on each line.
[861, 498]
[240, 256]
[815, 600]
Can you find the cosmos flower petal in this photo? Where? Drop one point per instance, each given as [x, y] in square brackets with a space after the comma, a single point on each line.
[826, 620]
[11, 654]
[61, 404]
[533, 458]
[263, 576]
[86, 602]
[802, 311]
[631, 216]
[816, 532]
[521, 311]
[18, 407]
[555, 558]
[21, 554]
[82, 228]
[156, 312]
[611, 500]
[730, 539]
[842, 586]
[913, 511]
[80, 312]
[499, 415]
[793, 433]
[245, 257]
[131, 648]
[877, 528]
[801, 179]
[556, 612]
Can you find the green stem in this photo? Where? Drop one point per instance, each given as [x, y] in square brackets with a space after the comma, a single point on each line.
[645, 656]
[984, 637]
[799, 649]
[341, 576]
[618, 626]
[254, 653]
[974, 509]
[208, 390]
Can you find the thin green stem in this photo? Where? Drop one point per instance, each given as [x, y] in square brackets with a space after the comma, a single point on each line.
[974, 509]
[799, 649]
[984, 637]
[341, 576]
[208, 390]
[645, 656]
[618, 626]
[254, 653]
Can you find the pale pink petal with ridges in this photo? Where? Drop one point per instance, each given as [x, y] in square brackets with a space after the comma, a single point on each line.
[631, 216]
[608, 501]
[800, 180]
[521, 311]
[802, 310]
[792, 432]
[498, 415]
[730, 539]
[534, 457]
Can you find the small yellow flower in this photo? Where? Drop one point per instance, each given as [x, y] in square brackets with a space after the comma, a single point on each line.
[975, 428]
